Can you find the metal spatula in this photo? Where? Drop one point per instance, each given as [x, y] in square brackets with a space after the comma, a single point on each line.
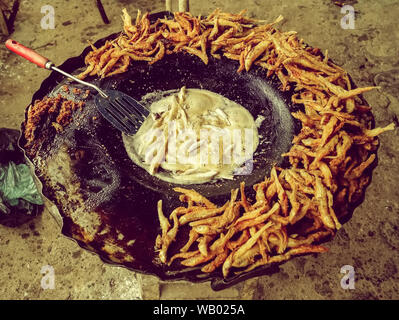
[121, 110]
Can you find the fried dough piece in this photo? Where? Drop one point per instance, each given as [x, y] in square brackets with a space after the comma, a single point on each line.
[286, 256]
[201, 213]
[321, 198]
[255, 53]
[194, 196]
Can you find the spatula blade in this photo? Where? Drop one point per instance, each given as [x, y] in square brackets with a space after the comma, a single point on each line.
[122, 111]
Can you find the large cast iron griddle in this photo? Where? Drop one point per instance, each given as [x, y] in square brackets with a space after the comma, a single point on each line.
[123, 195]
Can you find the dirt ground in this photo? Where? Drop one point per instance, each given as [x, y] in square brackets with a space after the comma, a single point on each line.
[369, 242]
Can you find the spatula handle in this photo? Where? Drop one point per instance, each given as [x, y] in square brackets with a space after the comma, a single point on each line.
[45, 63]
[28, 54]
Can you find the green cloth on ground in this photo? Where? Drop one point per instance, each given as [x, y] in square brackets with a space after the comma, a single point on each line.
[17, 187]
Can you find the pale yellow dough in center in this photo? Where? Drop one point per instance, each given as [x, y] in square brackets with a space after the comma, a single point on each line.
[194, 136]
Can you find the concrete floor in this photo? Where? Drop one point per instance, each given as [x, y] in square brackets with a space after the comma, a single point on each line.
[368, 242]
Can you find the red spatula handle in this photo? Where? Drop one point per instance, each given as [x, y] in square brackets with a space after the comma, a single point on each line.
[28, 54]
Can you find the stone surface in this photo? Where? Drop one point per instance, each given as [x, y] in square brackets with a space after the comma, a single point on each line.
[369, 241]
